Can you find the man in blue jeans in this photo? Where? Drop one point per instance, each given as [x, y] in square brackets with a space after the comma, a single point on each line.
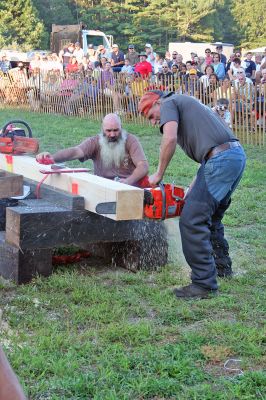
[207, 140]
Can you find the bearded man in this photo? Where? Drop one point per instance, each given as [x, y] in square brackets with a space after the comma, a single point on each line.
[116, 154]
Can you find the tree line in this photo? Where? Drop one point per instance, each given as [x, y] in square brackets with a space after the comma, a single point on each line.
[26, 24]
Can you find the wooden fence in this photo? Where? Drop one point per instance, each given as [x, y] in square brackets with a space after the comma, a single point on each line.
[94, 94]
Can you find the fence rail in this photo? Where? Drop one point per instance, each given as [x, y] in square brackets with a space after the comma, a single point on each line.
[98, 93]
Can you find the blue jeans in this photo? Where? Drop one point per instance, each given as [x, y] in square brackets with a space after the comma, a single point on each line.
[201, 218]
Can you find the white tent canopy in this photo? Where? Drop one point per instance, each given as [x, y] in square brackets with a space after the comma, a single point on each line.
[258, 50]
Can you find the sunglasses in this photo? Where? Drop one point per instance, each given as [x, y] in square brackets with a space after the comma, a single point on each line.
[165, 67]
[174, 54]
[207, 52]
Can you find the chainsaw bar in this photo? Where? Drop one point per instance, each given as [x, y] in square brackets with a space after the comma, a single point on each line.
[106, 208]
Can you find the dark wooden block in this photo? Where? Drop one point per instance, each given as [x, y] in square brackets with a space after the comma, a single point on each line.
[10, 185]
[22, 266]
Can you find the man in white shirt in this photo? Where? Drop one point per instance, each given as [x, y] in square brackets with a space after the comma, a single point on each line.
[78, 52]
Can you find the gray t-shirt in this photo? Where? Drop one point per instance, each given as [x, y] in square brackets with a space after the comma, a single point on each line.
[199, 128]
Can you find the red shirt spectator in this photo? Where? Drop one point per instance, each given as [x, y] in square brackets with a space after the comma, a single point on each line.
[143, 67]
[72, 66]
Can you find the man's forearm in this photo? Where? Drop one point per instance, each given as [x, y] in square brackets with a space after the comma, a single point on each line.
[10, 388]
[168, 146]
[73, 153]
[139, 172]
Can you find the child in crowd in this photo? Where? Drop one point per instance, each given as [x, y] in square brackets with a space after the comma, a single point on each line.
[222, 110]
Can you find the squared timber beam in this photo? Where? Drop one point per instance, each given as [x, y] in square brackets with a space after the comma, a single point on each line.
[10, 184]
[128, 200]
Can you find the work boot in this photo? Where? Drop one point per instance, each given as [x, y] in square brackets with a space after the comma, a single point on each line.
[194, 291]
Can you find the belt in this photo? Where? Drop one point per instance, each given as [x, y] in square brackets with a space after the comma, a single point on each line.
[220, 148]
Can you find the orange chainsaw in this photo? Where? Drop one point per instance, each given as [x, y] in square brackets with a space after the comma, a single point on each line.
[14, 140]
[163, 202]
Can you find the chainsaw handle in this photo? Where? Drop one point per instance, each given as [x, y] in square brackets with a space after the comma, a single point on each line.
[17, 121]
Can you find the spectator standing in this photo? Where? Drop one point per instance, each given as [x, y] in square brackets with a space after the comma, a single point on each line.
[117, 58]
[150, 54]
[78, 52]
[174, 59]
[158, 64]
[218, 66]
[235, 67]
[208, 57]
[194, 59]
[5, 64]
[91, 54]
[132, 56]
[66, 53]
[143, 67]
[167, 58]
[219, 49]
[249, 66]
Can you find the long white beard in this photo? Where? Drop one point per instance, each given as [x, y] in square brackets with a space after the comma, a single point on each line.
[113, 153]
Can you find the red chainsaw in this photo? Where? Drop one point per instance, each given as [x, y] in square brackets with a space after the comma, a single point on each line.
[14, 140]
[163, 202]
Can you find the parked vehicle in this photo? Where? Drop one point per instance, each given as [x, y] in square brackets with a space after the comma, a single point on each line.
[62, 35]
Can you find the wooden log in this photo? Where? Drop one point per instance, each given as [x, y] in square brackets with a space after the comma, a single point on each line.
[128, 200]
[22, 266]
[10, 184]
[38, 224]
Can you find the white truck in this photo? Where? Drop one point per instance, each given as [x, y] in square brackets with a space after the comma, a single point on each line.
[62, 35]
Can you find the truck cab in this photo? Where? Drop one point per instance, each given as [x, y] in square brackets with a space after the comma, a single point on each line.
[62, 35]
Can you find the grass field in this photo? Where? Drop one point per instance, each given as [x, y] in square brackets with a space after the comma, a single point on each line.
[106, 334]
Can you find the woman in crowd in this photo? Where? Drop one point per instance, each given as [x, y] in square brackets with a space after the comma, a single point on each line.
[218, 66]
[72, 66]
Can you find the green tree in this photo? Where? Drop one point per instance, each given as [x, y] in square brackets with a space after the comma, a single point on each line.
[250, 15]
[20, 26]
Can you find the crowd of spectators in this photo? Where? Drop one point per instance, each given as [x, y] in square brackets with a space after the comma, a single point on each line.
[101, 69]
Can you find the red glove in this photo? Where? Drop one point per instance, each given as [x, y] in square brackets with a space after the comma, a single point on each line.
[45, 160]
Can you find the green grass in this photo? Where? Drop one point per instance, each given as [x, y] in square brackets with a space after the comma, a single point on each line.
[110, 334]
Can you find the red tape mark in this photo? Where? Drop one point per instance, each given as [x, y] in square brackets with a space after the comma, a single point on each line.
[70, 259]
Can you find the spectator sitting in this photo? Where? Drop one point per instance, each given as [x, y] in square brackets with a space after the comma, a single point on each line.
[96, 73]
[92, 54]
[165, 77]
[174, 71]
[218, 66]
[127, 68]
[192, 84]
[103, 52]
[189, 66]
[258, 64]
[208, 57]
[201, 65]
[225, 89]
[229, 62]
[103, 62]
[78, 52]
[194, 59]
[143, 67]
[219, 49]
[179, 61]
[167, 58]
[249, 66]
[132, 56]
[35, 63]
[235, 68]
[72, 66]
[263, 79]
[222, 111]
[205, 79]
[117, 58]
[210, 92]
[240, 73]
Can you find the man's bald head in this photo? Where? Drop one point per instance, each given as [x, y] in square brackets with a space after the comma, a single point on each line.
[111, 119]
[112, 127]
